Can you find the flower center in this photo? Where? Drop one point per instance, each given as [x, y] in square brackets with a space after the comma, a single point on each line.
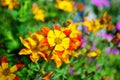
[6, 72]
[58, 40]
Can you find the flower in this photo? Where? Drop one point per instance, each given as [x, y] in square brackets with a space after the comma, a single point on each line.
[38, 13]
[65, 5]
[92, 25]
[101, 3]
[10, 3]
[118, 26]
[7, 73]
[34, 47]
[58, 39]
[94, 53]
[71, 70]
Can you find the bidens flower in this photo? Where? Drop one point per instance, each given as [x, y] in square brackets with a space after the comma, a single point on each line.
[34, 47]
[10, 3]
[7, 73]
[65, 5]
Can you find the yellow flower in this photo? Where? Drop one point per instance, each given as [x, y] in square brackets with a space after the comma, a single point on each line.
[34, 47]
[38, 13]
[94, 53]
[7, 73]
[10, 3]
[93, 25]
[58, 39]
[65, 5]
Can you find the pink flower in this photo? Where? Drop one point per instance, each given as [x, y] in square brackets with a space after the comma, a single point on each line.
[101, 3]
[118, 26]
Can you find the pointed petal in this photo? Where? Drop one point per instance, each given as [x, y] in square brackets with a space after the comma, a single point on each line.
[45, 30]
[62, 35]
[65, 43]
[3, 77]
[56, 27]
[57, 60]
[4, 62]
[25, 51]
[16, 67]
[67, 32]
[16, 78]
[34, 57]
[59, 48]
[47, 76]
[57, 33]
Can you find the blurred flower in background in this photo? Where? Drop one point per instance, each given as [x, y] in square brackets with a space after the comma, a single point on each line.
[118, 26]
[101, 3]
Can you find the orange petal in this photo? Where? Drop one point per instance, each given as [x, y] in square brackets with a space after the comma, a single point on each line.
[4, 59]
[16, 78]
[45, 30]
[46, 77]
[56, 27]
[67, 32]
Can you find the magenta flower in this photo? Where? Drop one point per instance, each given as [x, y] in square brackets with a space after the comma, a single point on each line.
[107, 36]
[101, 3]
[115, 51]
[118, 26]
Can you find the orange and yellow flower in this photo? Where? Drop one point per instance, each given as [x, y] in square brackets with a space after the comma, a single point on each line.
[38, 13]
[7, 73]
[10, 3]
[34, 47]
[93, 25]
[65, 5]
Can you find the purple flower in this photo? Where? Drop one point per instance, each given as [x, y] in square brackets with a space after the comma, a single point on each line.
[107, 36]
[36, 78]
[108, 50]
[71, 70]
[118, 26]
[119, 44]
[93, 47]
[101, 3]
[115, 51]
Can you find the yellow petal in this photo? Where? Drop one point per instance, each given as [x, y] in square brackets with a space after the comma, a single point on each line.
[62, 35]
[65, 43]
[59, 47]
[12, 76]
[9, 78]
[65, 58]
[73, 53]
[25, 43]
[13, 68]
[57, 33]
[3, 77]
[57, 60]
[34, 57]
[4, 65]
[51, 38]
[1, 69]
[92, 54]
[25, 51]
